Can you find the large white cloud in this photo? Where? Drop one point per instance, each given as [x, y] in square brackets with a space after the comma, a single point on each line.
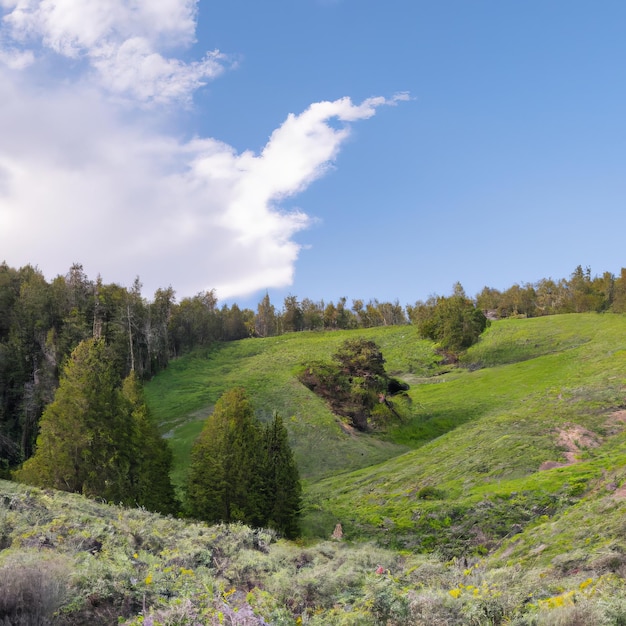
[79, 183]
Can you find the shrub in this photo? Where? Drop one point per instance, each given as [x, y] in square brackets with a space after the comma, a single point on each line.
[33, 588]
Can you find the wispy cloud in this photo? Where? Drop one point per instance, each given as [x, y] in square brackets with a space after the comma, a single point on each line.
[78, 182]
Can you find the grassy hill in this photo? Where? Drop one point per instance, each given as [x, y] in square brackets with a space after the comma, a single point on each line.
[537, 393]
[182, 396]
[500, 500]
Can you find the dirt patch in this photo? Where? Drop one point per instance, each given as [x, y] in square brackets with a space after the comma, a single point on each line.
[620, 492]
[347, 428]
[616, 422]
[574, 440]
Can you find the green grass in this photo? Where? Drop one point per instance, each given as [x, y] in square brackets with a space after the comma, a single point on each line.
[452, 504]
[183, 394]
[475, 434]
[485, 432]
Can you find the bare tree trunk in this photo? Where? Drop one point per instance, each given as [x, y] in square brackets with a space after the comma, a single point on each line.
[130, 338]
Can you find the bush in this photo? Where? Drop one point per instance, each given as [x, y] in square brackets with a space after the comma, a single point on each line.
[455, 323]
[356, 386]
[32, 589]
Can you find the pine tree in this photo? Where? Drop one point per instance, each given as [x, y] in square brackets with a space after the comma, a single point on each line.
[224, 481]
[282, 492]
[241, 471]
[84, 440]
[96, 437]
[151, 459]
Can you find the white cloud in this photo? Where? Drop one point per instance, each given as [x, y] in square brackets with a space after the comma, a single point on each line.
[79, 186]
[136, 70]
[121, 40]
[80, 183]
[16, 59]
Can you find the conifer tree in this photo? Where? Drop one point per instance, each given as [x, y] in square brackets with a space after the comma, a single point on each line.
[282, 491]
[96, 437]
[84, 440]
[241, 471]
[224, 481]
[151, 459]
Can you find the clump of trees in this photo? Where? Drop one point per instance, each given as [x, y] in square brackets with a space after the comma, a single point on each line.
[96, 437]
[356, 385]
[454, 322]
[580, 293]
[242, 470]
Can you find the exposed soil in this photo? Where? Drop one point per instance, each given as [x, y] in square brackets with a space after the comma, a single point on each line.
[616, 422]
[620, 492]
[575, 439]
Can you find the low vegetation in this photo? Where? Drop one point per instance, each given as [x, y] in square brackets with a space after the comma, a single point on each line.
[68, 560]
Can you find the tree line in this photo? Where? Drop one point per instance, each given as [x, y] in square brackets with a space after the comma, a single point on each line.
[581, 293]
[42, 321]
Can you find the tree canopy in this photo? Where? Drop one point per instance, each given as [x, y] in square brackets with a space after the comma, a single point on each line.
[242, 471]
[454, 322]
[96, 439]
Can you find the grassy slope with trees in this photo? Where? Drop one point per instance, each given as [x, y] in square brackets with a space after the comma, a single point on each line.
[182, 396]
[539, 380]
[523, 382]
[507, 541]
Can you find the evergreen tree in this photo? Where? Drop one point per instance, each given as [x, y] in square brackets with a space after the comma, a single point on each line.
[96, 437]
[84, 440]
[225, 482]
[151, 460]
[241, 471]
[283, 491]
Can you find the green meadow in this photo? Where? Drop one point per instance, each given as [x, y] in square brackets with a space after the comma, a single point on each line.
[183, 395]
[499, 499]
[464, 466]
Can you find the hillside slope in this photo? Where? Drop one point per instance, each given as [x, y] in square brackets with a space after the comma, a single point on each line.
[182, 396]
[532, 394]
[70, 561]
[531, 426]
[509, 507]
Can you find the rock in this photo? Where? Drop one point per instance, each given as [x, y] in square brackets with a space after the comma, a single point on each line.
[338, 533]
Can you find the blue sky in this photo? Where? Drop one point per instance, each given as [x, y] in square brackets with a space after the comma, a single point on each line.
[322, 148]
